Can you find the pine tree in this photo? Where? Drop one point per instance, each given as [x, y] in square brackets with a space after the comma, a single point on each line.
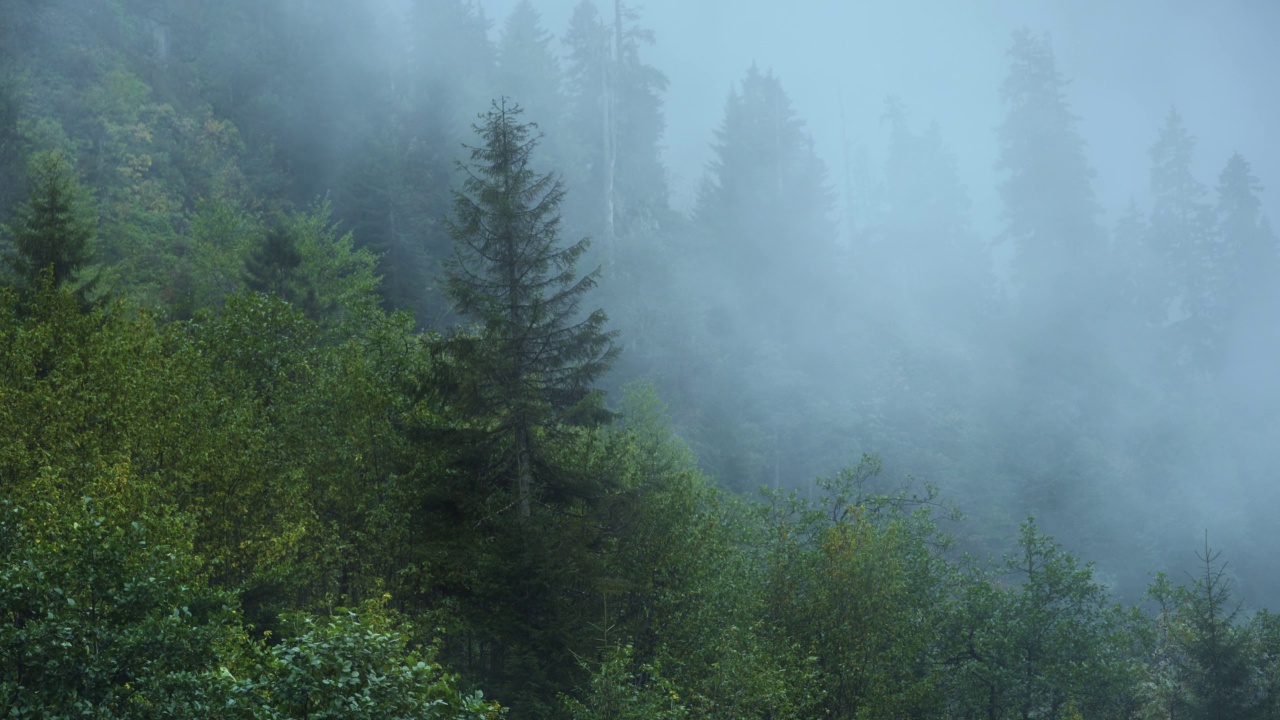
[641, 181]
[925, 258]
[1222, 672]
[616, 109]
[1182, 238]
[527, 68]
[1063, 303]
[1048, 196]
[10, 146]
[767, 204]
[535, 357]
[54, 229]
[1209, 655]
[1248, 241]
[765, 275]
[271, 265]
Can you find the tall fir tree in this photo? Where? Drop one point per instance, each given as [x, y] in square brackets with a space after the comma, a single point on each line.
[527, 68]
[54, 229]
[641, 181]
[536, 356]
[615, 101]
[1248, 241]
[764, 280]
[926, 260]
[1251, 328]
[1063, 303]
[1182, 239]
[1049, 204]
[767, 206]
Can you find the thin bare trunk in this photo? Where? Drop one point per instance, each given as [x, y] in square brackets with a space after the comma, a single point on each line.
[610, 76]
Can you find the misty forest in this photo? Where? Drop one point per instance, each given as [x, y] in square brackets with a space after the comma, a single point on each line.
[579, 359]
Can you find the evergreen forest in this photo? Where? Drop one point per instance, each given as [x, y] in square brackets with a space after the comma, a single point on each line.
[360, 360]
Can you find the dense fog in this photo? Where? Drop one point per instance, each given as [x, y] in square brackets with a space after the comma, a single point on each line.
[1019, 250]
[1079, 408]
[589, 359]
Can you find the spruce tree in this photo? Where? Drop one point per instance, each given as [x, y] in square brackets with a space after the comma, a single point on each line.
[615, 109]
[10, 147]
[527, 64]
[272, 264]
[536, 356]
[1182, 238]
[1248, 242]
[54, 229]
[924, 257]
[1063, 305]
[1050, 207]
[767, 204]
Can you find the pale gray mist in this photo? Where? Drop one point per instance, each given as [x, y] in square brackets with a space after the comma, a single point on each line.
[1131, 466]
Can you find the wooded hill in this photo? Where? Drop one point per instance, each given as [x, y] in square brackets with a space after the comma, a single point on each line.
[308, 411]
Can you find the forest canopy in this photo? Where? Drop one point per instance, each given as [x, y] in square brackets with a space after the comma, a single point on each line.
[360, 360]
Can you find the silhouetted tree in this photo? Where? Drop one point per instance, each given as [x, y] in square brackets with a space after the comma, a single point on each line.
[925, 259]
[767, 206]
[54, 229]
[765, 275]
[527, 69]
[1062, 302]
[1251, 253]
[616, 113]
[1049, 204]
[535, 358]
[1188, 253]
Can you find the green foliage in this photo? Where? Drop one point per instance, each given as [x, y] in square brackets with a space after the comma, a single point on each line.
[272, 262]
[55, 228]
[621, 691]
[350, 666]
[106, 611]
[532, 365]
[1206, 661]
[219, 238]
[1049, 645]
[856, 580]
[300, 257]
[320, 271]
[103, 606]
[198, 475]
[83, 389]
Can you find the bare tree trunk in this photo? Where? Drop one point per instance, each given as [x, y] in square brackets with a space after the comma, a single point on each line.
[612, 65]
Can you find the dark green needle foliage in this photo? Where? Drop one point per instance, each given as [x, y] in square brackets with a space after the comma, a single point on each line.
[535, 356]
[54, 229]
[1209, 663]
[275, 267]
[272, 263]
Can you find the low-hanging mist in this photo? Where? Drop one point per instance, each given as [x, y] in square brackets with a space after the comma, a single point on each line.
[1015, 257]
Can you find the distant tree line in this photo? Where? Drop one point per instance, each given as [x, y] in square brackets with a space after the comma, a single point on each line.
[307, 408]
